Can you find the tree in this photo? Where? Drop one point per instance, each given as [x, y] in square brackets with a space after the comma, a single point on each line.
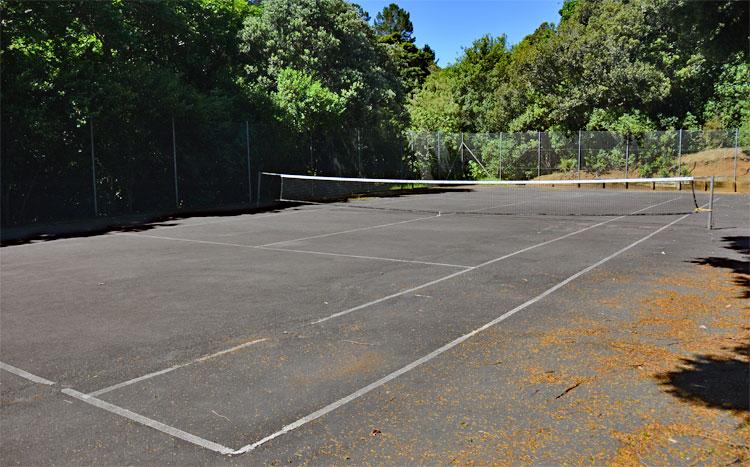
[332, 48]
[394, 20]
[433, 107]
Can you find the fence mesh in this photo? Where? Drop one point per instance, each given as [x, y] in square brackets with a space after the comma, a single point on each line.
[153, 162]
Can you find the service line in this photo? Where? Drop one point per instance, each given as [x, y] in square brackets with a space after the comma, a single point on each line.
[25, 374]
[308, 252]
[486, 263]
[174, 367]
[395, 374]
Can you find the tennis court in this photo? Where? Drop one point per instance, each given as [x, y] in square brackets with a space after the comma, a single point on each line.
[340, 331]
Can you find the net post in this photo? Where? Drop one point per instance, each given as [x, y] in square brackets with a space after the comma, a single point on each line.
[538, 153]
[174, 165]
[257, 199]
[249, 174]
[736, 154]
[93, 166]
[711, 204]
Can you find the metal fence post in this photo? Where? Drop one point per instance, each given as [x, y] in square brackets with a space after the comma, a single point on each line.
[578, 169]
[249, 175]
[679, 154]
[359, 155]
[93, 166]
[736, 155]
[538, 153]
[500, 171]
[462, 153]
[174, 163]
[627, 158]
[257, 199]
[439, 162]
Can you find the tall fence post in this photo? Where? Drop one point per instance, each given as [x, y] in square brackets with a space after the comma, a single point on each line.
[440, 163]
[93, 166]
[736, 155]
[359, 155]
[538, 153]
[462, 153]
[627, 158]
[174, 163]
[249, 174]
[578, 167]
[679, 153]
[500, 171]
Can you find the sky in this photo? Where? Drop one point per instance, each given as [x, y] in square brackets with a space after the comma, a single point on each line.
[449, 25]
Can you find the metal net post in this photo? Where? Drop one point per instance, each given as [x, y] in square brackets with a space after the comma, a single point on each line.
[736, 155]
[711, 205]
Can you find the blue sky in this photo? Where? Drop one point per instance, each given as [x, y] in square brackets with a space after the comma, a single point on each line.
[449, 25]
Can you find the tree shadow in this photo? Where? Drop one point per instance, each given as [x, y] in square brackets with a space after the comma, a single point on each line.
[712, 381]
[740, 268]
[128, 223]
[719, 381]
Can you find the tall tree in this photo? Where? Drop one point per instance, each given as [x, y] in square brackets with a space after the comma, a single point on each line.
[394, 20]
[395, 30]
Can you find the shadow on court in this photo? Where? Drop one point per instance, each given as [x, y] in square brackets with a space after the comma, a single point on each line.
[719, 381]
[740, 268]
[712, 381]
[137, 223]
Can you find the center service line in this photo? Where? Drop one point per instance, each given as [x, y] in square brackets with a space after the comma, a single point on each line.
[376, 384]
[174, 367]
[486, 263]
[341, 232]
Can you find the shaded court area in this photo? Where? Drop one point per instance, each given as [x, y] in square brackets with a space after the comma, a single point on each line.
[378, 330]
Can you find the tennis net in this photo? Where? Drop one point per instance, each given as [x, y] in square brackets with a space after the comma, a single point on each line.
[613, 197]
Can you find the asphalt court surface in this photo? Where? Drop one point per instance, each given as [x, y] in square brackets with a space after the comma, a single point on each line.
[210, 334]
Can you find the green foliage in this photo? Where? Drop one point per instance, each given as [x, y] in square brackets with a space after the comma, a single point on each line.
[730, 106]
[305, 103]
[624, 66]
[433, 107]
[395, 31]
[394, 20]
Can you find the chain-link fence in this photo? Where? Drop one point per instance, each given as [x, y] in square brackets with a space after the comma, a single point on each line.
[579, 155]
[110, 166]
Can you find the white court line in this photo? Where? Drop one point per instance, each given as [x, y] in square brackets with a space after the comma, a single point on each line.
[170, 430]
[90, 399]
[172, 368]
[486, 263]
[25, 374]
[325, 253]
[359, 229]
[256, 247]
[240, 217]
[391, 376]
